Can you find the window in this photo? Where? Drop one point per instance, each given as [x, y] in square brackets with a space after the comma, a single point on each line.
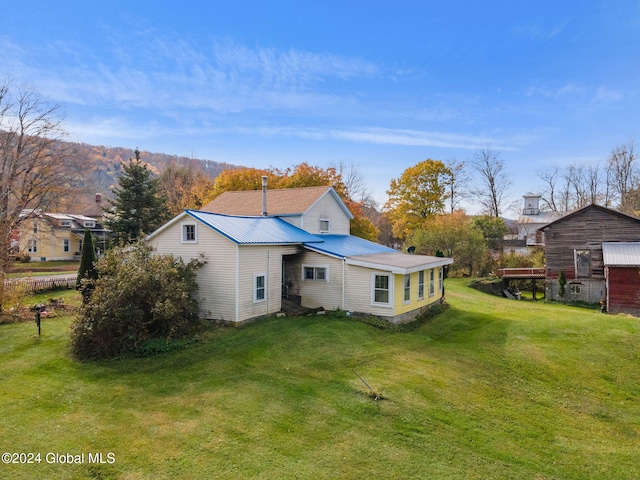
[89, 224]
[35, 227]
[421, 284]
[66, 223]
[407, 289]
[381, 289]
[315, 273]
[583, 263]
[575, 289]
[65, 245]
[32, 246]
[325, 225]
[259, 287]
[431, 282]
[189, 232]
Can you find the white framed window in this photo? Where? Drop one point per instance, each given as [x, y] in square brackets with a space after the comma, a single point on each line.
[421, 284]
[325, 225]
[65, 245]
[259, 287]
[315, 272]
[32, 246]
[382, 289]
[89, 224]
[575, 289]
[66, 223]
[189, 233]
[431, 282]
[407, 289]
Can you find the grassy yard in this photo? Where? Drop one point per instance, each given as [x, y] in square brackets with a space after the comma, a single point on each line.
[19, 269]
[491, 389]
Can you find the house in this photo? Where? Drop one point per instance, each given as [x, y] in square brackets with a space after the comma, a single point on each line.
[263, 246]
[622, 276]
[531, 219]
[56, 236]
[574, 245]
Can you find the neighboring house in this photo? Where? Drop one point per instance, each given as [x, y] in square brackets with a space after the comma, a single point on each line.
[56, 236]
[622, 276]
[300, 249]
[574, 245]
[528, 226]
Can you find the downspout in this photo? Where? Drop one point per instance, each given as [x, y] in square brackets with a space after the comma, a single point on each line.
[237, 307]
[343, 262]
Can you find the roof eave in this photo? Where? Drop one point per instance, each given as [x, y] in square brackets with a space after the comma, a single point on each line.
[397, 269]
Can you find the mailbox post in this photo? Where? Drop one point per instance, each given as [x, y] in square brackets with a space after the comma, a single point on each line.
[38, 318]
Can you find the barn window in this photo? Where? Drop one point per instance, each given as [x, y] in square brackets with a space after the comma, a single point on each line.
[575, 289]
[583, 263]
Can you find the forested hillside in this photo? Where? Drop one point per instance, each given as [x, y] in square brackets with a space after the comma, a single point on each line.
[92, 169]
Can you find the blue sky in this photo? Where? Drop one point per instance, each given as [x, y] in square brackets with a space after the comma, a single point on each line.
[381, 85]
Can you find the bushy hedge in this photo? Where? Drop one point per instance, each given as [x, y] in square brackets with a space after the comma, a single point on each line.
[138, 296]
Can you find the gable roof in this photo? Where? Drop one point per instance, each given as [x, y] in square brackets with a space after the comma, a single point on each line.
[280, 202]
[248, 230]
[621, 254]
[593, 206]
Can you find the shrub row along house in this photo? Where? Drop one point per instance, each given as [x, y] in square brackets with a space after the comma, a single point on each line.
[263, 246]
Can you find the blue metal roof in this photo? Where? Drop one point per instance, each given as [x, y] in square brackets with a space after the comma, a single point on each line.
[255, 230]
[347, 246]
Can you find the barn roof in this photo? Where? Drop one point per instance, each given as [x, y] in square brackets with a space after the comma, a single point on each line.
[621, 254]
[593, 206]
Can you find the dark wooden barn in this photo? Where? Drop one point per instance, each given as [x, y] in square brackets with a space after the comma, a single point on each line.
[573, 245]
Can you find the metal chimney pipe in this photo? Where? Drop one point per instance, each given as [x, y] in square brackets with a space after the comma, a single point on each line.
[264, 195]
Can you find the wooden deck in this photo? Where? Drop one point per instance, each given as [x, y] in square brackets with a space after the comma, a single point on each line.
[522, 273]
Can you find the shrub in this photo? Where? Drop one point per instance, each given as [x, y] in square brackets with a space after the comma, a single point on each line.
[137, 297]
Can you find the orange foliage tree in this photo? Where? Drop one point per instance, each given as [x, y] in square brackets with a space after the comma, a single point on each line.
[302, 175]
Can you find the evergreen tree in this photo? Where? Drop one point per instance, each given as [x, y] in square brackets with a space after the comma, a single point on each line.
[87, 269]
[139, 206]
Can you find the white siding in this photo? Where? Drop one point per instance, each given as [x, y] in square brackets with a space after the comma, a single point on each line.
[216, 279]
[358, 291]
[317, 293]
[326, 208]
[295, 220]
[261, 259]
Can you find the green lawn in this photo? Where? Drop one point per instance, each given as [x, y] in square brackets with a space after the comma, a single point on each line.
[490, 389]
[34, 269]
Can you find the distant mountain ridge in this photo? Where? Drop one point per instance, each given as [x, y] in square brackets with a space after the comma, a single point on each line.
[94, 169]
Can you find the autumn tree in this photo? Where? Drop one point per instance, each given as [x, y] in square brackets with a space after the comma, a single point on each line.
[302, 175]
[139, 206]
[185, 186]
[236, 179]
[30, 161]
[493, 181]
[418, 195]
[456, 237]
